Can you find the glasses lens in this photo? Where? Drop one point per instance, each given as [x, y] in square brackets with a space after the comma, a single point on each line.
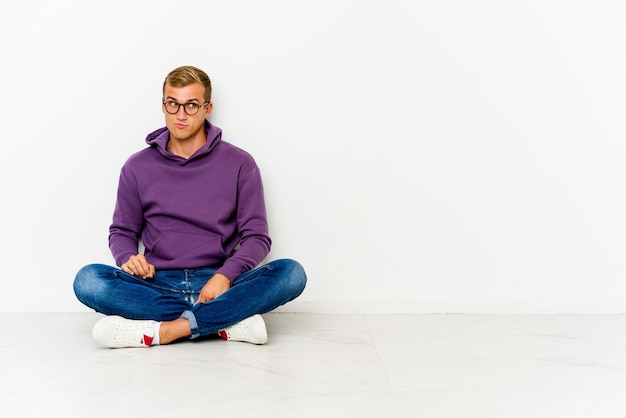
[192, 108]
[171, 107]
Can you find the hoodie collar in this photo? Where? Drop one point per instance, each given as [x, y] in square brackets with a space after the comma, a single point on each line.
[160, 137]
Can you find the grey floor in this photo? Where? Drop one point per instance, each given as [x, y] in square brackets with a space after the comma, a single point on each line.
[323, 365]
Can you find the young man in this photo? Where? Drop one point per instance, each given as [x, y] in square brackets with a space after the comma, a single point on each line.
[196, 202]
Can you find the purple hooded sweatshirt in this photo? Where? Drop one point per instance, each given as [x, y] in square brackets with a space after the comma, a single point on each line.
[205, 211]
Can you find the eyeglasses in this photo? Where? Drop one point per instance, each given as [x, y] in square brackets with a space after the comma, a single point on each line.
[191, 108]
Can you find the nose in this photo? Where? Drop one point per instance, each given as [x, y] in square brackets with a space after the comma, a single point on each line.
[181, 113]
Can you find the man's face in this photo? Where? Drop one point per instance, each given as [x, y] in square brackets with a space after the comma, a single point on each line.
[182, 126]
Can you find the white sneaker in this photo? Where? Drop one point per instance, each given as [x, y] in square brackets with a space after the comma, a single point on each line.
[117, 332]
[250, 330]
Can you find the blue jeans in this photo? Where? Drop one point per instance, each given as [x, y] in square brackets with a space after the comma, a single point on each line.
[171, 294]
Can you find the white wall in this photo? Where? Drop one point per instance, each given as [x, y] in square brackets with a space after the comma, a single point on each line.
[418, 156]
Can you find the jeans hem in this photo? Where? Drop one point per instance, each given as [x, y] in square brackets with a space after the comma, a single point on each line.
[193, 323]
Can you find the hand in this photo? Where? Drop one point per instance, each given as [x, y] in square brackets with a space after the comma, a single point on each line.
[139, 266]
[216, 285]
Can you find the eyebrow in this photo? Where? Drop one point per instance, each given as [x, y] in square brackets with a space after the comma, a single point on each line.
[176, 100]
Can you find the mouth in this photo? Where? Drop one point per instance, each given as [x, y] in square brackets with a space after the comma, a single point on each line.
[180, 125]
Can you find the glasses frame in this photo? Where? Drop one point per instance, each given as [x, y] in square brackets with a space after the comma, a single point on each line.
[184, 106]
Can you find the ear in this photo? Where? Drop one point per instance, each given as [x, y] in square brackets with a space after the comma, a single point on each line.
[207, 110]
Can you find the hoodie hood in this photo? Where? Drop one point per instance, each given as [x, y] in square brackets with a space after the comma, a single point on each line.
[159, 138]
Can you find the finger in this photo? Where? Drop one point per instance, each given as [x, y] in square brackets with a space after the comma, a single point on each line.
[125, 268]
[141, 266]
[130, 266]
[205, 297]
[150, 270]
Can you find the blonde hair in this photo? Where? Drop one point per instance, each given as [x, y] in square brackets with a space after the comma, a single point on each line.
[186, 75]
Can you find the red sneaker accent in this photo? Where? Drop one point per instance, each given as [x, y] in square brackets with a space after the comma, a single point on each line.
[223, 335]
[147, 340]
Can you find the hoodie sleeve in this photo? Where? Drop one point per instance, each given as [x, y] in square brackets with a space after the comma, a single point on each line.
[254, 239]
[127, 219]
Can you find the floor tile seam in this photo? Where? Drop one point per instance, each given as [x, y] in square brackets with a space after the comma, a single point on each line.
[382, 365]
[128, 386]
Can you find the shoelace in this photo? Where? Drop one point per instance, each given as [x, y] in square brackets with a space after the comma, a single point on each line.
[239, 330]
[134, 335]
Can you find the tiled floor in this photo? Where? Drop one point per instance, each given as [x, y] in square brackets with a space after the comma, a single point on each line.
[321, 365]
